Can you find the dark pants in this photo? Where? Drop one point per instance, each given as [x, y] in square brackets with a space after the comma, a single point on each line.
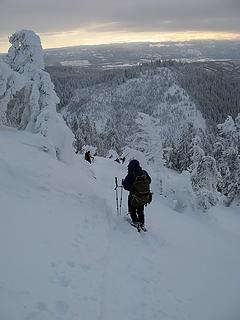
[137, 214]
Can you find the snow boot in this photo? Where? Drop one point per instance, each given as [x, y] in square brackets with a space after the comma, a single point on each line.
[142, 226]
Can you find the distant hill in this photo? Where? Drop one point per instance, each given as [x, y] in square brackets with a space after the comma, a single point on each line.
[125, 54]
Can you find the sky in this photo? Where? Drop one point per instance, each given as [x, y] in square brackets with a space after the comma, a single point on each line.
[63, 23]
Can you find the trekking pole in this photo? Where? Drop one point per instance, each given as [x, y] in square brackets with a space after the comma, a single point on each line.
[116, 188]
[120, 212]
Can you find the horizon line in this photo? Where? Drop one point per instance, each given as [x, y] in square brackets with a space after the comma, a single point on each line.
[139, 42]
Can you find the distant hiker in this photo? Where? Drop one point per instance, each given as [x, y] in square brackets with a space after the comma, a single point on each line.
[117, 160]
[88, 157]
[137, 182]
[77, 150]
[123, 159]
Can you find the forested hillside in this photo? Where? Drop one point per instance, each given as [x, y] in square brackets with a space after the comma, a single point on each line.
[166, 109]
[213, 86]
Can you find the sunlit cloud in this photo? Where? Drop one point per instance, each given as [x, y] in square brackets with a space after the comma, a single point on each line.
[83, 37]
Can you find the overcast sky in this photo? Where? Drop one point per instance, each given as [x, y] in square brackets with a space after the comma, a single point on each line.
[119, 16]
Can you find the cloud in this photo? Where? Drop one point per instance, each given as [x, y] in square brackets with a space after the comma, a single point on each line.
[124, 15]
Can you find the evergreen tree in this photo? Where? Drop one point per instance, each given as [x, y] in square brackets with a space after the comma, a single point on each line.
[204, 178]
[197, 152]
[226, 151]
[180, 156]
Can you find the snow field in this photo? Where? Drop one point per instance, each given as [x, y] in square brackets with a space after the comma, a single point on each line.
[65, 255]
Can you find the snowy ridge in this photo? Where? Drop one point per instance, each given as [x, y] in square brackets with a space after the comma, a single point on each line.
[65, 255]
[115, 109]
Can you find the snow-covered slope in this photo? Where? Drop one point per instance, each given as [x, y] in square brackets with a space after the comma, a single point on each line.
[108, 115]
[65, 255]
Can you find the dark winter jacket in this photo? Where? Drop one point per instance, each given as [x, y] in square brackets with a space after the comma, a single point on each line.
[134, 170]
[88, 156]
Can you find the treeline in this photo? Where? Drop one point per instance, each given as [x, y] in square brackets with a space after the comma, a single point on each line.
[215, 92]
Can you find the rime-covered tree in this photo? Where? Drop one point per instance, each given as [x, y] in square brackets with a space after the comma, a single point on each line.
[180, 154]
[226, 152]
[10, 83]
[204, 178]
[196, 151]
[37, 110]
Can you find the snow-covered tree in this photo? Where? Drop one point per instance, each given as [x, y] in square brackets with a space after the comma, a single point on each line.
[197, 152]
[228, 131]
[25, 55]
[204, 178]
[24, 70]
[10, 83]
[237, 123]
[226, 152]
[179, 157]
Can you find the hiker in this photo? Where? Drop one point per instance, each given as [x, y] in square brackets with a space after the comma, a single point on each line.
[137, 182]
[88, 157]
[77, 150]
[117, 160]
[123, 159]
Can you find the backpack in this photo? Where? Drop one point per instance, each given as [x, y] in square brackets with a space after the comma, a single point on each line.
[140, 191]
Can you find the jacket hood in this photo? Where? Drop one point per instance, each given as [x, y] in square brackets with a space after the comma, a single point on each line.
[134, 165]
